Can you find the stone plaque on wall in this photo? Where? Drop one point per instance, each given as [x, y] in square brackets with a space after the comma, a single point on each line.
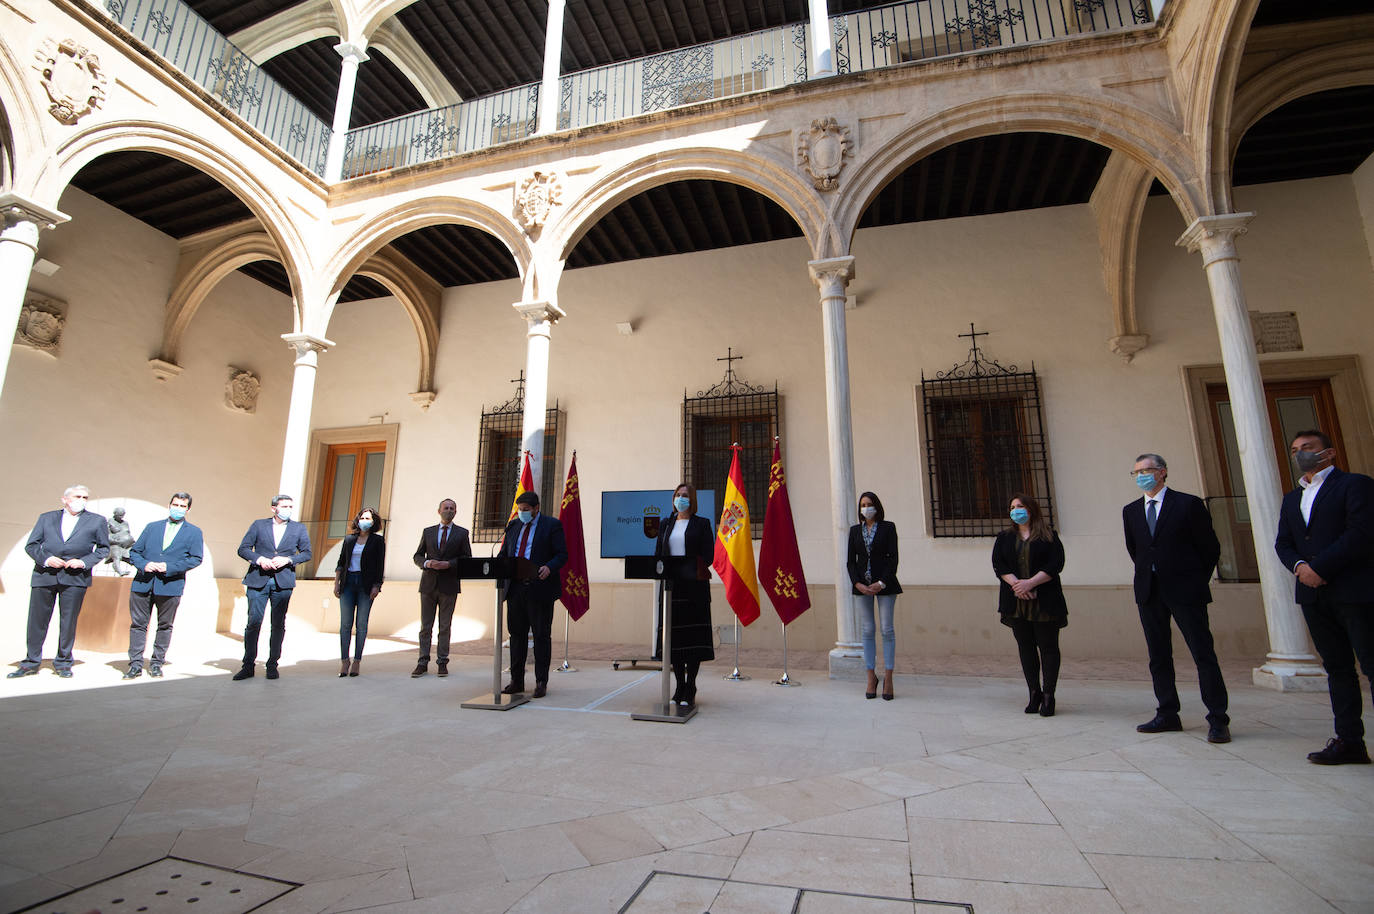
[1276, 331]
[241, 390]
[41, 323]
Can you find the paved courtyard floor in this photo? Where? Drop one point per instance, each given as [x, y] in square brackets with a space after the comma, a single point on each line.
[319, 794]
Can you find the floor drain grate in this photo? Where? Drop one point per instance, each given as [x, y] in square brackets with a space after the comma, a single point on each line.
[166, 886]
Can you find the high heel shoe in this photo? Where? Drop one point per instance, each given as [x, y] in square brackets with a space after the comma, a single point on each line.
[1036, 698]
[1047, 706]
[357, 666]
[343, 668]
[872, 691]
[887, 686]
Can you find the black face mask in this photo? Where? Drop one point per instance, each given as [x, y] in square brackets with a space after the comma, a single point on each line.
[1309, 460]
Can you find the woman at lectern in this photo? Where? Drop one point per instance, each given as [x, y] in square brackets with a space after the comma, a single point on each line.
[687, 534]
[872, 567]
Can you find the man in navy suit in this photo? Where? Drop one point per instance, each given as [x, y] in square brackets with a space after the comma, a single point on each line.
[529, 601]
[273, 547]
[165, 551]
[440, 547]
[1326, 538]
[64, 545]
[1170, 538]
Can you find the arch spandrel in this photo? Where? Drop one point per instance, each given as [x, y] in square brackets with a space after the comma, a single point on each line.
[1220, 45]
[25, 141]
[197, 281]
[370, 14]
[417, 293]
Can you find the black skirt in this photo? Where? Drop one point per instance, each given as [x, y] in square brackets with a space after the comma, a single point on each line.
[693, 638]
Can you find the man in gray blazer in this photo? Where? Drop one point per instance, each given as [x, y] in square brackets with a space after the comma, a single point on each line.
[439, 547]
[64, 545]
[165, 551]
[273, 547]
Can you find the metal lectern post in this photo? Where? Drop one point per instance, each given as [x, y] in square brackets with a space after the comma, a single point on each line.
[661, 569]
[498, 569]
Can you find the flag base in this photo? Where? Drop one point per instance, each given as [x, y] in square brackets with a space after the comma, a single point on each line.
[737, 676]
[670, 713]
[786, 680]
[498, 702]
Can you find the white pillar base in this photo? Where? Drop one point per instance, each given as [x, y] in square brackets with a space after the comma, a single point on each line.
[1289, 676]
[847, 663]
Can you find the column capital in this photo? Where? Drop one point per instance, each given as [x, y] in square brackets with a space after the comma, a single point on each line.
[20, 209]
[1210, 232]
[537, 312]
[353, 51]
[304, 343]
[831, 270]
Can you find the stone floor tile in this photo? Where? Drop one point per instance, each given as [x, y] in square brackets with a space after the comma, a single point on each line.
[686, 863]
[832, 903]
[602, 839]
[885, 822]
[24, 892]
[303, 867]
[318, 896]
[737, 812]
[218, 846]
[722, 847]
[1336, 867]
[1015, 897]
[118, 855]
[857, 865]
[62, 842]
[798, 800]
[677, 824]
[1295, 810]
[535, 851]
[1002, 851]
[976, 768]
[1149, 885]
[988, 802]
[667, 893]
[440, 868]
[594, 888]
[747, 898]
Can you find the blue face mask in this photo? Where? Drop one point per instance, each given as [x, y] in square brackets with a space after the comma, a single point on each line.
[1019, 515]
[682, 503]
[364, 525]
[1144, 481]
[284, 513]
[525, 516]
[176, 515]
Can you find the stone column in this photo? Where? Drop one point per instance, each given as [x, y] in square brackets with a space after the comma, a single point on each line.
[1289, 666]
[352, 54]
[832, 276]
[22, 221]
[822, 48]
[540, 316]
[307, 349]
[550, 96]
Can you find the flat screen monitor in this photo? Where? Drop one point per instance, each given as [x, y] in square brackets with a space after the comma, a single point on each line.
[630, 519]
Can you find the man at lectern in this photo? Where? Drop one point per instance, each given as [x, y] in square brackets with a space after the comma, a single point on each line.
[529, 598]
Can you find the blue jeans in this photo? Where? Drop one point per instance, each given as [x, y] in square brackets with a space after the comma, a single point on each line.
[886, 604]
[354, 600]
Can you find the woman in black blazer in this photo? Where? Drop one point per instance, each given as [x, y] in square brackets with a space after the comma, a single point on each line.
[686, 533]
[357, 581]
[872, 567]
[1028, 558]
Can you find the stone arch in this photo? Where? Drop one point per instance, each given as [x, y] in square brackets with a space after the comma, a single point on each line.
[121, 136]
[781, 184]
[21, 132]
[1156, 145]
[204, 274]
[1208, 111]
[1337, 66]
[371, 15]
[419, 295]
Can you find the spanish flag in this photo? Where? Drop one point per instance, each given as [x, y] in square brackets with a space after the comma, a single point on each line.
[734, 560]
[525, 484]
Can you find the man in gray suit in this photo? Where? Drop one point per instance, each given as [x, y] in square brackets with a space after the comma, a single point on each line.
[273, 547]
[64, 545]
[440, 546]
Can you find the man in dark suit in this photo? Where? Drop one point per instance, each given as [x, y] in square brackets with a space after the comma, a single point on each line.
[529, 601]
[165, 551]
[64, 545]
[1170, 538]
[440, 548]
[273, 547]
[1326, 538]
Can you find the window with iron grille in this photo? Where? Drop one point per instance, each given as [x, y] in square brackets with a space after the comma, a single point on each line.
[985, 442]
[499, 460]
[732, 412]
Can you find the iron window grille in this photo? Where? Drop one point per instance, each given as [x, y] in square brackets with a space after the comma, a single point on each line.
[731, 412]
[985, 442]
[500, 458]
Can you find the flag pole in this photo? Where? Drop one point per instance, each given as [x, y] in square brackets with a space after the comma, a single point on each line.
[565, 667]
[785, 680]
[737, 676]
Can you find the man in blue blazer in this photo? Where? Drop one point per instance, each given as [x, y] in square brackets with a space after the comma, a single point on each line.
[1326, 538]
[164, 552]
[529, 601]
[273, 547]
[1170, 539]
[64, 545]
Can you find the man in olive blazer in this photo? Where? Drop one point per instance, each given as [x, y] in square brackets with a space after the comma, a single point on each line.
[436, 556]
[165, 551]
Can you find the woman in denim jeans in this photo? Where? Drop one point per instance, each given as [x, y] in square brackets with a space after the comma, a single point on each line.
[872, 566]
[357, 581]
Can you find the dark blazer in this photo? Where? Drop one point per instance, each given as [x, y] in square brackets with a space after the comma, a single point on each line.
[90, 542]
[549, 548]
[1183, 552]
[185, 552]
[1044, 556]
[372, 561]
[457, 546]
[699, 542]
[257, 543]
[884, 558]
[1338, 543]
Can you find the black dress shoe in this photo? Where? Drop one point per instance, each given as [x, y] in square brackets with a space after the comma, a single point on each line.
[22, 672]
[443, 668]
[540, 690]
[1340, 752]
[514, 689]
[272, 673]
[134, 672]
[63, 674]
[1036, 697]
[1218, 733]
[243, 673]
[420, 670]
[1047, 706]
[1160, 725]
[155, 671]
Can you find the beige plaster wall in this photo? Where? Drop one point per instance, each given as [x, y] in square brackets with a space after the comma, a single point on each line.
[1363, 181]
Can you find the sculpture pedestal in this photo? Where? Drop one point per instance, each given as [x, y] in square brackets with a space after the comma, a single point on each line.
[103, 625]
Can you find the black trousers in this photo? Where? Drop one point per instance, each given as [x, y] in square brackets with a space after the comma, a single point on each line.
[1037, 643]
[436, 604]
[526, 612]
[141, 606]
[1192, 623]
[1343, 634]
[68, 599]
[257, 608]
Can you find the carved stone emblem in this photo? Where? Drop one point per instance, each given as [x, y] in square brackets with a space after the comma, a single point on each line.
[241, 390]
[41, 322]
[821, 152]
[72, 78]
[535, 198]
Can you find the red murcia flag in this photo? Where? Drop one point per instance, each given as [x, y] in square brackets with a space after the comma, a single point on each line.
[576, 594]
[780, 567]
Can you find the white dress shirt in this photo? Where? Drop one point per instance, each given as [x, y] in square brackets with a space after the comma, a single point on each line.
[1309, 492]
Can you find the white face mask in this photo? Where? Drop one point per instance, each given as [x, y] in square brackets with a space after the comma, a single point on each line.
[284, 513]
[869, 512]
